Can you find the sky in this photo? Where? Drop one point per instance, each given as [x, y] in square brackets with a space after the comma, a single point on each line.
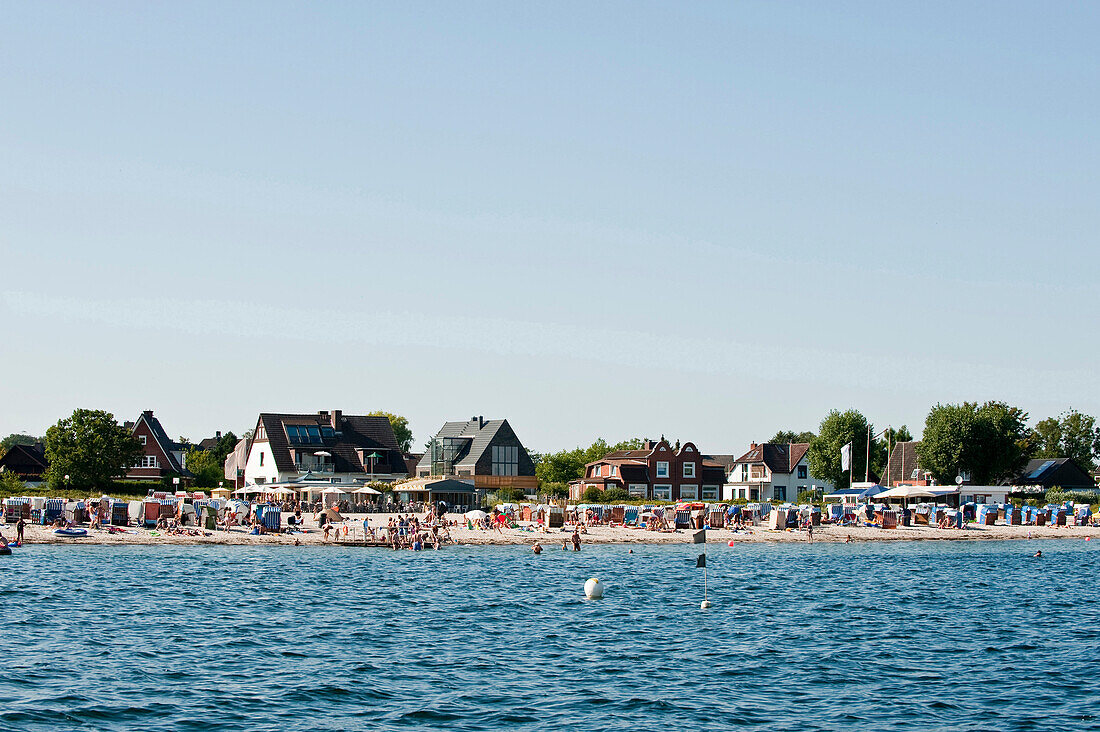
[710, 221]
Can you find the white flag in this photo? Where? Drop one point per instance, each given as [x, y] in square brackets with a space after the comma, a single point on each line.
[846, 457]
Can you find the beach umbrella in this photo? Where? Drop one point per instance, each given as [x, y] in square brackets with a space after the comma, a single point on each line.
[475, 515]
[367, 491]
[906, 491]
[332, 491]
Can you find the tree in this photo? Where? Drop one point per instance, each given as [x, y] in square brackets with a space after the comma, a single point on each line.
[11, 484]
[991, 442]
[226, 445]
[615, 494]
[567, 465]
[91, 448]
[400, 427]
[1071, 434]
[206, 467]
[592, 494]
[836, 431]
[784, 436]
[16, 439]
[555, 490]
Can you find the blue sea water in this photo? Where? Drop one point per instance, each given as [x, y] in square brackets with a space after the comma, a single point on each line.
[946, 636]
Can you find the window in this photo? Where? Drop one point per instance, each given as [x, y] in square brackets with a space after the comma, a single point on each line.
[613, 471]
[689, 470]
[689, 492]
[802, 472]
[505, 460]
[779, 492]
[261, 458]
[662, 492]
[260, 481]
[148, 461]
[637, 490]
[662, 469]
[142, 439]
[596, 471]
[710, 493]
[744, 472]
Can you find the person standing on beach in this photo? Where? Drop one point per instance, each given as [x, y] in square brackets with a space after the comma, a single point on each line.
[19, 530]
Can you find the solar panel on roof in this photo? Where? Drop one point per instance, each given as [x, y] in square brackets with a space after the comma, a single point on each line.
[1041, 469]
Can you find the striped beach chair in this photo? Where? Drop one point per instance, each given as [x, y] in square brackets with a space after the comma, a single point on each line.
[120, 513]
[630, 516]
[55, 509]
[683, 519]
[167, 507]
[271, 517]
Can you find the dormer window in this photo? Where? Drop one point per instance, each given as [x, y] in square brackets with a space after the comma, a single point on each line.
[612, 473]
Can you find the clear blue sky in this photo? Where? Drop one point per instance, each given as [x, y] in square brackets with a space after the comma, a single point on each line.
[711, 221]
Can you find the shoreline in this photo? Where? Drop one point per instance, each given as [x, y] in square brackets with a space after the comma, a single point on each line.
[602, 535]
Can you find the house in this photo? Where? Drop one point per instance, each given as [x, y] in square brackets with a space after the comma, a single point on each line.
[161, 456]
[903, 467]
[657, 471]
[486, 450]
[326, 446]
[26, 462]
[1045, 474]
[773, 472]
[210, 443]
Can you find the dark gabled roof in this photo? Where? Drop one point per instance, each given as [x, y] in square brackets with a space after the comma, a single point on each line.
[167, 445]
[479, 433]
[353, 433]
[780, 458]
[714, 473]
[724, 461]
[1055, 472]
[26, 456]
[208, 444]
[901, 463]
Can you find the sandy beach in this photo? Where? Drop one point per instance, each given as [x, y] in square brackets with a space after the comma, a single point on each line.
[527, 535]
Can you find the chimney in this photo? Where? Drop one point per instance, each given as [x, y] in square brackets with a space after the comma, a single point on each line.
[480, 422]
[218, 435]
[752, 446]
[148, 413]
[336, 415]
[322, 415]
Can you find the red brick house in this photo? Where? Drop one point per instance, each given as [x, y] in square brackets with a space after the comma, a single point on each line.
[656, 471]
[162, 456]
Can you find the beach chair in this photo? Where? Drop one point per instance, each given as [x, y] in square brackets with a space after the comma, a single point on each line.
[120, 513]
[272, 518]
[617, 515]
[716, 517]
[54, 509]
[683, 519]
[630, 516]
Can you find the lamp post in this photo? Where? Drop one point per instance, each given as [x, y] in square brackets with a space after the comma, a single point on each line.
[66, 481]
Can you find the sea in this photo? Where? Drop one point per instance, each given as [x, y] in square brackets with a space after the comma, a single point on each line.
[976, 635]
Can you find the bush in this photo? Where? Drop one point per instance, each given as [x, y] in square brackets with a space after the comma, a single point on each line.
[807, 497]
[593, 495]
[554, 490]
[12, 485]
[615, 494]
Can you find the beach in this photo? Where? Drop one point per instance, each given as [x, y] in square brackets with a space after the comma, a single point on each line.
[528, 534]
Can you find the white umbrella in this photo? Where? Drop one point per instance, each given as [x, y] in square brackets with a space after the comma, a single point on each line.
[332, 491]
[475, 515]
[906, 491]
[368, 491]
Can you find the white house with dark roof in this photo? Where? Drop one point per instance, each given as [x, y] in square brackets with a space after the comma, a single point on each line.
[773, 472]
[486, 450]
[325, 446]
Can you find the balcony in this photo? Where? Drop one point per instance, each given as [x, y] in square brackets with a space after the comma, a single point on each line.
[313, 464]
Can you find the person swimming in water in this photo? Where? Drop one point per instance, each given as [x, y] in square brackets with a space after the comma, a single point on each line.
[1038, 554]
[537, 548]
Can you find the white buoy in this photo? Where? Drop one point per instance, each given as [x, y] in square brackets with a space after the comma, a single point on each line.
[593, 590]
[704, 604]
